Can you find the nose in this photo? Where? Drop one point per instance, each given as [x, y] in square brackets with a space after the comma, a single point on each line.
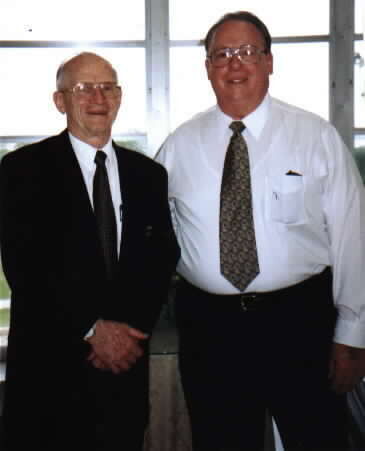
[235, 61]
[98, 95]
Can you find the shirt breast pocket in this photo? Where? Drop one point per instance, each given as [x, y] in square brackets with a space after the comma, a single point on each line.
[285, 195]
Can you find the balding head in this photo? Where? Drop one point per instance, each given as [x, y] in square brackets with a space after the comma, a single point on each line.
[90, 113]
[66, 69]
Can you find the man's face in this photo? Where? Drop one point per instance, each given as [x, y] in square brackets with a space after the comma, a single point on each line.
[239, 88]
[89, 118]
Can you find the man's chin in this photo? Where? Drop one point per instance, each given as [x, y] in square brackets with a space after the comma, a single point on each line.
[99, 129]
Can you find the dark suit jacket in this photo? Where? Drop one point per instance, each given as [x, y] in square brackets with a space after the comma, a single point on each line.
[53, 263]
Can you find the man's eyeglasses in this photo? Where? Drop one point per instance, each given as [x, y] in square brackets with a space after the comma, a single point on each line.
[247, 54]
[87, 90]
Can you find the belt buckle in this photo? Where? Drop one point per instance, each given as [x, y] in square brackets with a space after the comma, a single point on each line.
[246, 300]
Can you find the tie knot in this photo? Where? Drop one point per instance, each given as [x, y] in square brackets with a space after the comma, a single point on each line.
[100, 158]
[237, 126]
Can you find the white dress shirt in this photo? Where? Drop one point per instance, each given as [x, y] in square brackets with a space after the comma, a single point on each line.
[85, 155]
[303, 222]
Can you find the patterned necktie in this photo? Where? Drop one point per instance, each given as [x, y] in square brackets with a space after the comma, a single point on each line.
[104, 213]
[238, 253]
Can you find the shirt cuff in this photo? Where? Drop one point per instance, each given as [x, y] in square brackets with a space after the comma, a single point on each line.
[350, 332]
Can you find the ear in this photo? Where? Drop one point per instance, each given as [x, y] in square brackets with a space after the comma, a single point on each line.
[59, 101]
[120, 95]
[270, 63]
[208, 67]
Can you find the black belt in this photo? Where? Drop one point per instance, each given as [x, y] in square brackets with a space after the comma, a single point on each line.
[257, 300]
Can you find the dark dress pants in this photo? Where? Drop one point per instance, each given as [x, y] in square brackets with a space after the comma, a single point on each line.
[94, 410]
[234, 365]
[118, 408]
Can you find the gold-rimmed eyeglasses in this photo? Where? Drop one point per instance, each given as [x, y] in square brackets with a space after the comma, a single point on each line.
[87, 89]
[247, 54]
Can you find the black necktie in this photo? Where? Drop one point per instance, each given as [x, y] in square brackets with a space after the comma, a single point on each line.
[238, 253]
[105, 215]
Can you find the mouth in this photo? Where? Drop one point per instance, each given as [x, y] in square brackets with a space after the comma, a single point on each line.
[237, 81]
[97, 113]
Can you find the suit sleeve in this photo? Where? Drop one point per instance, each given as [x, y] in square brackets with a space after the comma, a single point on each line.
[31, 259]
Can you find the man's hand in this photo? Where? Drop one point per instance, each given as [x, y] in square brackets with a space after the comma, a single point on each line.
[347, 367]
[115, 346]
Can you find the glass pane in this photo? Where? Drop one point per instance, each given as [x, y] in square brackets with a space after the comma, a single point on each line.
[293, 80]
[138, 143]
[6, 146]
[191, 91]
[359, 141]
[4, 319]
[28, 100]
[359, 16]
[4, 290]
[359, 84]
[72, 20]
[282, 17]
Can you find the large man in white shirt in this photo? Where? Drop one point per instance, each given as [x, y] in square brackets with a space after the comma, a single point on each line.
[293, 342]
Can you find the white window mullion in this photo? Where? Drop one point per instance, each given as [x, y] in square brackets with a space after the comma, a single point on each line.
[157, 72]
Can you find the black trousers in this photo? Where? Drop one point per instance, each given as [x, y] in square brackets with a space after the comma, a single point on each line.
[99, 412]
[235, 364]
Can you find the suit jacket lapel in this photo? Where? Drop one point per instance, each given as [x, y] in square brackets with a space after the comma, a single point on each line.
[130, 195]
[124, 187]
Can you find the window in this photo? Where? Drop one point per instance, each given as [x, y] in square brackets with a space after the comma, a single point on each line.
[304, 88]
[36, 20]
[35, 41]
[283, 17]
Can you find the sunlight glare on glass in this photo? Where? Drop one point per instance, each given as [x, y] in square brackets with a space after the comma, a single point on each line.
[293, 84]
[359, 16]
[283, 17]
[72, 20]
[190, 90]
[38, 114]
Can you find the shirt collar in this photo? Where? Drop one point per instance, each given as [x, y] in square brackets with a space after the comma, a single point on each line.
[86, 153]
[254, 121]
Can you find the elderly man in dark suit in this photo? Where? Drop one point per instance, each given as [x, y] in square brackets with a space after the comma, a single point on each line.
[86, 291]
